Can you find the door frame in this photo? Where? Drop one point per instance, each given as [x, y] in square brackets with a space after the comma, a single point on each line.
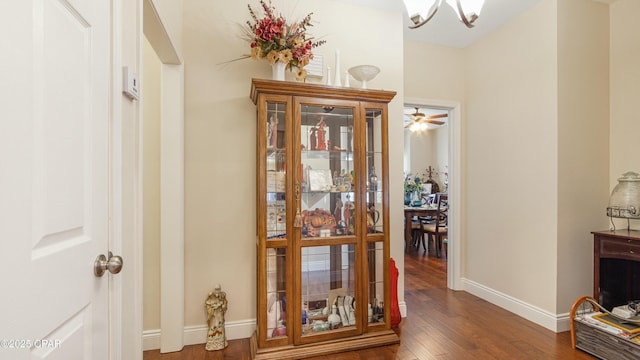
[454, 257]
[125, 188]
[172, 331]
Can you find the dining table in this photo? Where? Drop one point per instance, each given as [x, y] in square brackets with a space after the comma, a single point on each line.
[409, 213]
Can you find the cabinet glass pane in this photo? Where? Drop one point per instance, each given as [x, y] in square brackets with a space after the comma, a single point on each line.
[374, 168]
[328, 288]
[276, 292]
[275, 165]
[375, 258]
[327, 161]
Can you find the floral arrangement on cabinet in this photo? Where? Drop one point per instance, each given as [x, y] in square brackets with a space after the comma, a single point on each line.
[272, 38]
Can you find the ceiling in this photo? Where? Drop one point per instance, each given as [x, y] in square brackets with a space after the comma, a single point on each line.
[445, 28]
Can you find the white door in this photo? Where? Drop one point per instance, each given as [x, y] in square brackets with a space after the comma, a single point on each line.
[54, 171]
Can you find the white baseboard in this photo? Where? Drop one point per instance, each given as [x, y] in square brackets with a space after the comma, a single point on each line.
[243, 329]
[554, 322]
[198, 334]
[150, 339]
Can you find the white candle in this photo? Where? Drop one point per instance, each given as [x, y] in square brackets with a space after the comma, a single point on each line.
[336, 79]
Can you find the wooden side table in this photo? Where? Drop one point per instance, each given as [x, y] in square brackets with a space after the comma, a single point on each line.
[616, 267]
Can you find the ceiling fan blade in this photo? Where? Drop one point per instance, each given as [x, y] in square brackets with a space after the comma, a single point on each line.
[437, 116]
[417, 117]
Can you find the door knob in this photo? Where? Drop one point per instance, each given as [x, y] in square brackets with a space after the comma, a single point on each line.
[113, 264]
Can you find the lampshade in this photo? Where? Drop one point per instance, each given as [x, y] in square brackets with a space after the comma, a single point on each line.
[421, 11]
[625, 197]
[469, 7]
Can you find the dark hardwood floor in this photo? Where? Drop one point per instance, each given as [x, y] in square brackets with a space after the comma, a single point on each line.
[441, 324]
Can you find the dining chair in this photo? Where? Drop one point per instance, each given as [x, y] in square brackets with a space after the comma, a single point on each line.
[418, 233]
[428, 199]
[436, 231]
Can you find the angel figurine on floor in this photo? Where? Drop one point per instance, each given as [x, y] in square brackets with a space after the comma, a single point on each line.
[216, 305]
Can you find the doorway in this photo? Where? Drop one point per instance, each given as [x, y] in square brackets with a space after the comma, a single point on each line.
[443, 141]
[162, 139]
[426, 146]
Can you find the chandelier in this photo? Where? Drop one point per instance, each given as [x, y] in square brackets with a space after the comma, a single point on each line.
[421, 11]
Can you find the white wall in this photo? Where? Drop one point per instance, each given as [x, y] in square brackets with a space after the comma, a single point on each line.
[436, 76]
[519, 155]
[625, 92]
[151, 185]
[220, 126]
[170, 13]
[422, 151]
[439, 76]
[535, 165]
[428, 148]
[583, 146]
[442, 154]
[511, 157]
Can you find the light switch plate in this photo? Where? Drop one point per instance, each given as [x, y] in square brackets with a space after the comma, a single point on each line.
[130, 83]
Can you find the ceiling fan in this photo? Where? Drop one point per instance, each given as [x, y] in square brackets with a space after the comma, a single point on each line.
[420, 120]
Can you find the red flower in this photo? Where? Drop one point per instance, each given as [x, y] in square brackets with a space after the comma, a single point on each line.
[272, 38]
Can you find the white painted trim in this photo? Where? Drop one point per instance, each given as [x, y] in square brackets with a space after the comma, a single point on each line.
[454, 268]
[116, 291]
[158, 36]
[138, 276]
[562, 322]
[553, 322]
[151, 339]
[403, 309]
[194, 335]
[171, 181]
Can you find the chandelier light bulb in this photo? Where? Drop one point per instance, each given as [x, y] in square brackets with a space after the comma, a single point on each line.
[421, 11]
[416, 127]
[467, 10]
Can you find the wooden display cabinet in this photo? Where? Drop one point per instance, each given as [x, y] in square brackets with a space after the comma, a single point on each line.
[322, 220]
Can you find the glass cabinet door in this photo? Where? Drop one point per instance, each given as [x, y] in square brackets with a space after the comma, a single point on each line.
[376, 254]
[330, 224]
[273, 140]
[276, 155]
[328, 287]
[374, 165]
[327, 171]
[376, 283]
